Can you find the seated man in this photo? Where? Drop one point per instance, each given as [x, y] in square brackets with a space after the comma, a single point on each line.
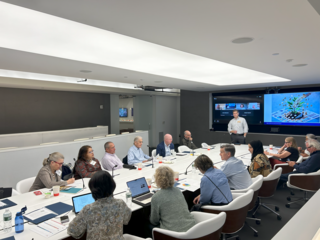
[187, 140]
[312, 164]
[164, 148]
[236, 172]
[212, 180]
[135, 153]
[110, 159]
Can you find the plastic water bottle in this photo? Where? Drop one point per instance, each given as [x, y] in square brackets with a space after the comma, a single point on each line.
[7, 221]
[19, 223]
[129, 198]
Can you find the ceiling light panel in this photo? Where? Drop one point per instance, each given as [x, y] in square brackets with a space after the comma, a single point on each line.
[31, 31]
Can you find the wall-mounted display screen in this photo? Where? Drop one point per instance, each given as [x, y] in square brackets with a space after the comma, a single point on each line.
[249, 106]
[123, 112]
[302, 109]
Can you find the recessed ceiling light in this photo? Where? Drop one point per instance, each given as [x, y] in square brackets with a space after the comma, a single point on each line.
[85, 71]
[300, 65]
[275, 54]
[158, 81]
[242, 40]
[115, 50]
[289, 60]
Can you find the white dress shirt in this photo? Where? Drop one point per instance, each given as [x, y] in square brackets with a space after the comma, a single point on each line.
[239, 124]
[110, 160]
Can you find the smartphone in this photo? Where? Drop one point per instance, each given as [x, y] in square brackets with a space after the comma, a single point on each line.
[64, 219]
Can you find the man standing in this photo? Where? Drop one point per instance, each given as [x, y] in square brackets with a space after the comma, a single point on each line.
[164, 148]
[110, 159]
[238, 128]
[135, 153]
[187, 140]
[236, 172]
[312, 164]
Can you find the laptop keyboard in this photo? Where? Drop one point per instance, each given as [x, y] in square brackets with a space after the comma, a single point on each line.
[144, 197]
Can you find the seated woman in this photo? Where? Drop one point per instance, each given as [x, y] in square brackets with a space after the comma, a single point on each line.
[50, 174]
[86, 165]
[288, 152]
[169, 208]
[260, 164]
[103, 219]
[213, 180]
[306, 153]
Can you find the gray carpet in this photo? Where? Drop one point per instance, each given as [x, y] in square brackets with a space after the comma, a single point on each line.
[269, 224]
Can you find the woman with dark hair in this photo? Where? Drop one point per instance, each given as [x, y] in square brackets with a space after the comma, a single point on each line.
[86, 165]
[260, 164]
[103, 219]
[214, 186]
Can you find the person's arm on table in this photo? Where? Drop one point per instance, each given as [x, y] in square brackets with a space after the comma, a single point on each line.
[281, 155]
[78, 226]
[46, 180]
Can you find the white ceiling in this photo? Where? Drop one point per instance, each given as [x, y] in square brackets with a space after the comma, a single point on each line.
[204, 28]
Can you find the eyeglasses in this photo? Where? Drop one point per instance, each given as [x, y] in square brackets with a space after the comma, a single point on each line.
[310, 147]
[60, 164]
[91, 151]
[286, 142]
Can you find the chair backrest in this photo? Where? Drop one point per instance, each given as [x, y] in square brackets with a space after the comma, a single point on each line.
[255, 186]
[183, 148]
[125, 132]
[285, 167]
[125, 160]
[110, 135]
[48, 143]
[307, 182]
[154, 153]
[208, 226]
[270, 183]
[236, 211]
[204, 145]
[98, 137]
[24, 185]
[15, 192]
[300, 159]
[80, 139]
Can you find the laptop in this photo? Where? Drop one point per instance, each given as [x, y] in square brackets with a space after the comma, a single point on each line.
[141, 194]
[80, 201]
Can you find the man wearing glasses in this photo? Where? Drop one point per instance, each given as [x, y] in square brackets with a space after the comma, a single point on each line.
[187, 140]
[312, 164]
[50, 174]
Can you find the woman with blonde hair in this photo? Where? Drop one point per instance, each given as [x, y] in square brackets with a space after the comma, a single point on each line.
[50, 174]
[169, 208]
[288, 152]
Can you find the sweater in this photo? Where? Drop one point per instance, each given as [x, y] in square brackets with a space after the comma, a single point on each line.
[169, 209]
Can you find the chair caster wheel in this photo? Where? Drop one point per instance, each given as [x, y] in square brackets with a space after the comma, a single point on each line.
[256, 234]
[276, 208]
[289, 198]
[258, 222]
[279, 217]
[288, 205]
[292, 193]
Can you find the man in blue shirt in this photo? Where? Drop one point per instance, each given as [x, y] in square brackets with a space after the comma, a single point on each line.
[135, 153]
[236, 172]
[312, 164]
[164, 148]
[214, 186]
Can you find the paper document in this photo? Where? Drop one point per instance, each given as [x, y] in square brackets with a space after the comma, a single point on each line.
[189, 184]
[49, 228]
[2, 204]
[39, 213]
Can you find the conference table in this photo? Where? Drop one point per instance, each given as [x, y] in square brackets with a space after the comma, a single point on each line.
[121, 176]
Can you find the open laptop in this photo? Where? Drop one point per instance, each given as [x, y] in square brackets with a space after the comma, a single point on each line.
[80, 201]
[140, 192]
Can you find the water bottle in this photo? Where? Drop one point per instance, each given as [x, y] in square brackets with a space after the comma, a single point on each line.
[7, 221]
[19, 222]
[128, 197]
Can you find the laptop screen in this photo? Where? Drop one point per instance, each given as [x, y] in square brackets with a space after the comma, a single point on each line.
[80, 201]
[138, 187]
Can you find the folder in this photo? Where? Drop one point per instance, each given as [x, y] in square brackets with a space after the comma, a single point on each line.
[8, 202]
[71, 190]
[9, 238]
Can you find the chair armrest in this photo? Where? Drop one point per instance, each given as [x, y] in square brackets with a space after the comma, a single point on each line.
[305, 181]
[285, 168]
